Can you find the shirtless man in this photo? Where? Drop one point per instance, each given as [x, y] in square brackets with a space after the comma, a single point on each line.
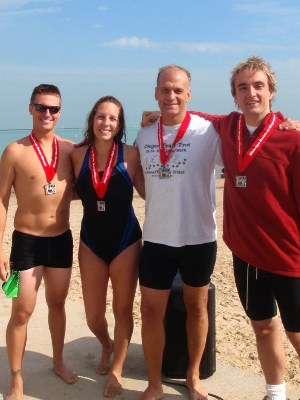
[42, 244]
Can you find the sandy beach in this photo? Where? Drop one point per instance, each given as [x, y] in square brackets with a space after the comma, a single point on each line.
[235, 339]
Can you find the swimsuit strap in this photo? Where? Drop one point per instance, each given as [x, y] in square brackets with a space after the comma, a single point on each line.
[120, 159]
[121, 166]
[85, 164]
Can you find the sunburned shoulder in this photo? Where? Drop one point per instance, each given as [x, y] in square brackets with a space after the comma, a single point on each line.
[78, 153]
[130, 150]
[65, 144]
[131, 153]
[15, 148]
[65, 140]
[15, 153]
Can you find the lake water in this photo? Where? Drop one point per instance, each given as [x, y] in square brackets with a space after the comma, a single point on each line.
[76, 135]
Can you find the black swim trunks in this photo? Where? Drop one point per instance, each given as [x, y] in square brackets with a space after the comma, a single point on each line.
[159, 264]
[30, 251]
[259, 291]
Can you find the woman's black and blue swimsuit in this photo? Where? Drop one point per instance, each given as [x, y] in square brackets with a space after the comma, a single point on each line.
[107, 233]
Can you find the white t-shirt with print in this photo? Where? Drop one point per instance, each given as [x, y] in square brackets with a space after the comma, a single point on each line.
[180, 209]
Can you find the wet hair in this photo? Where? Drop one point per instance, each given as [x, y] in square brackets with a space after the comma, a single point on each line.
[173, 66]
[89, 129]
[256, 64]
[45, 89]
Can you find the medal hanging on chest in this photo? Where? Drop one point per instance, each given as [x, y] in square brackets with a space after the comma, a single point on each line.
[101, 186]
[50, 170]
[163, 171]
[243, 162]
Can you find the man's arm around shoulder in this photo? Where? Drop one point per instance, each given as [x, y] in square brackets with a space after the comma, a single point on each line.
[134, 163]
[217, 120]
[77, 156]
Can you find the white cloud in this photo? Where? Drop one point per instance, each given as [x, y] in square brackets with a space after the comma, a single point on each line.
[102, 8]
[98, 26]
[136, 43]
[34, 11]
[191, 47]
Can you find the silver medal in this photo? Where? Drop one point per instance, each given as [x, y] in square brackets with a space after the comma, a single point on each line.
[100, 205]
[240, 181]
[50, 188]
[164, 173]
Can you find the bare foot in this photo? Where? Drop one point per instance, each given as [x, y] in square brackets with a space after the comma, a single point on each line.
[66, 373]
[16, 388]
[152, 393]
[197, 391]
[113, 387]
[104, 364]
[14, 396]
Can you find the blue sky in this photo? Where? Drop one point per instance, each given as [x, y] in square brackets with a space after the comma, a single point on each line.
[92, 48]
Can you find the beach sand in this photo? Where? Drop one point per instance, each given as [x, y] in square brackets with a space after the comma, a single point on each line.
[235, 342]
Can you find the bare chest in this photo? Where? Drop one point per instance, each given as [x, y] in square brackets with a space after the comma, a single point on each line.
[30, 176]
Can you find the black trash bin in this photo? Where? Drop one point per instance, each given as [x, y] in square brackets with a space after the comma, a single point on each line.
[175, 357]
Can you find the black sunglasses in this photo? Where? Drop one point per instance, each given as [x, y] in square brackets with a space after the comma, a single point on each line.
[43, 108]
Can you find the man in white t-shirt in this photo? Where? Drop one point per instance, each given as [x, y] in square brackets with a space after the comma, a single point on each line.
[178, 155]
[269, 168]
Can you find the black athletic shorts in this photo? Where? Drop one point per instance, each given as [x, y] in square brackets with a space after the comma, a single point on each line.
[159, 264]
[30, 251]
[263, 290]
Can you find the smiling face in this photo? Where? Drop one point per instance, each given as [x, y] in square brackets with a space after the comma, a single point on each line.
[253, 95]
[172, 95]
[44, 121]
[106, 121]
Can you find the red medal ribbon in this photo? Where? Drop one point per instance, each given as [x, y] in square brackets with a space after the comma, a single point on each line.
[164, 156]
[50, 170]
[243, 162]
[101, 187]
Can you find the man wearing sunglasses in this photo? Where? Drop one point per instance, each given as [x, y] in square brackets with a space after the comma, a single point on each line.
[39, 168]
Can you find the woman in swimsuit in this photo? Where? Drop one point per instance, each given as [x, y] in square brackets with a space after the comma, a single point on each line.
[106, 170]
